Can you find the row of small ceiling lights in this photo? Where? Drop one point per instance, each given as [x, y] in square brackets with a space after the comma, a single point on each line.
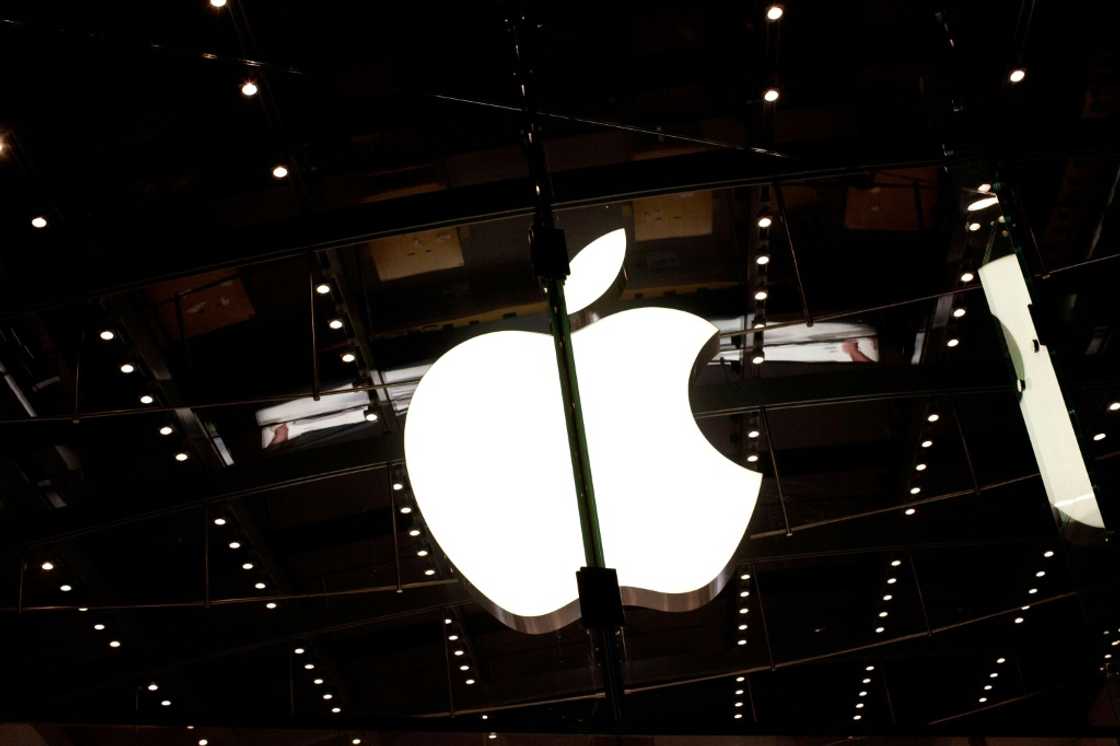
[317, 681]
[247, 564]
[921, 465]
[862, 694]
[741, 637]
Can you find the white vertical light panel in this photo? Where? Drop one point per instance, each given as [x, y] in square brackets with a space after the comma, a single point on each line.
[1044, 409]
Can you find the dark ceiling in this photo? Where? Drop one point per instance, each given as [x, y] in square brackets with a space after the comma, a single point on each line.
[406, 195]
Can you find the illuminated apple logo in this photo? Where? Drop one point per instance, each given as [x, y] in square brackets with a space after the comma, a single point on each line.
[487, 454]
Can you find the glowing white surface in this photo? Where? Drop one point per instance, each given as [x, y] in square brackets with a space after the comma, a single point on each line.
[1044, 409]
[594, 269]
[495, 484]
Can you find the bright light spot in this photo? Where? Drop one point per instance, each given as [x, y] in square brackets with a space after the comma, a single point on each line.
[738, 704]
[203, 741]
[336, 710]
[114, 643]
[967, 277]
[1114, 406]
[896, 563]
[987, 687]
[247, 566]
[1019, 620]
[270, 605]
[869, 668]
[429, 572]
[1040, 574]
[1032, 591]
[882, 614]
[397, 486]
[765, 221]
[983, 203]
[414, 532]
[927, 444]
[1000, 661]
[249, 88]
[47, 566]
[259, 586]
[299, 651]
[741, 642]
[492, 736]
[973, 227]
[1099, 437]
[65, 588]
[309, 666]
[863, 693]
[457, 653]
[738, 716]
[469, 682]
[405, 510]
[888, 597]
[933, 417]
[880, 630]
[744, 610]
[322, 288]
[744, 594]
[857, 717]
[38, 222]
[422, 553]
[953, 342]
[106, 335]
[328, 696]
[83, 608]
[752, 435]
[985, 188]
[453, 638]
[774, 12]
[182, 456]
[127, 368]
[217, 4]
[166, 430]
[982, 700]
[348, 357]
[317, 682]
[447, 620]
[166, 703]
[892, 581]
[915, 490]
[740, 679]
[771, 95]
[762, 259]
[920, 467]
[910, 511]
[147, 399]
[758, 359]
[371, 416]
[280, 172]
[1017, 75]
[100, 628]
[761, 295]
[959, 312]
[464, 667]
[859, 705]
[335, 323]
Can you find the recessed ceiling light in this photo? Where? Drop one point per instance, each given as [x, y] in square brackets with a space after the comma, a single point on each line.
[741, 642]
[217, 3]
[927, 444]
[464, 667]
[910, 511]
[738, 704]
[1048, 553]
[335, 323]
[422, 553]
[869, 668]
[765, 221]
[879, 630]
[322, 288]
[892, 581]
[270, 605]
[485, 717]
[247, 566]
[919, 467]
[762, 259]
[280, 172]
[1099, 437]
[317, 682]
[309, 666]
[915, 490]
[127, 368]
[1114, 406]
[859, 705]
[328, 696]
[370, 415]
[982, 700]
[182, 456]
[146, 399]
[492, 736]
[770, 95]
[355, 741]
[397, 486]
[447, 620]
[429, 572]
[934, 417]
[235, 545]
[888, 597]
[983, 203]
[952, 342]
[896, 563]
[259, 586]
[459, 652]
[249, 88]
[1040, 574]
[99, 627]
[883, 614]
[219, 521]
[761, 295]
[453, 638]
[738, 716]
[299, 651]
[153, 687]
[774, 12]
[405, 509]
[114, 643]
[1032, 591]
[1019, 620]
[857, 717]
[973, 227]
[867, 681]
[106, 335]
[744, 594]
[166, 703]
[758, 359]
[863, 693]
[959, 312]
[967, 277]
[166, 430]
[203, 741]
[83, 608]
[744, 610]
[47, 566]
[336, 710]
[985, 188]
[65, 588]
[469, 682]
[348, 357]
[414, 532]
[1017, 75]
[38, 222]
[987, 687]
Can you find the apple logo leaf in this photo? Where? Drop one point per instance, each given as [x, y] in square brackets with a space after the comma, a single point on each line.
[594, 269]
[486, 449]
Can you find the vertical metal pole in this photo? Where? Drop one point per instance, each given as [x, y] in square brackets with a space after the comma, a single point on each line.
[78, 376]
[19, 585]
[314, 331]
[205, 558]
[964, 447]
[781, 200]
[393, 518]
[750, 697]
[774, 466]
[921, 596]
[447, 670]
[887, 693]
[762, 615]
